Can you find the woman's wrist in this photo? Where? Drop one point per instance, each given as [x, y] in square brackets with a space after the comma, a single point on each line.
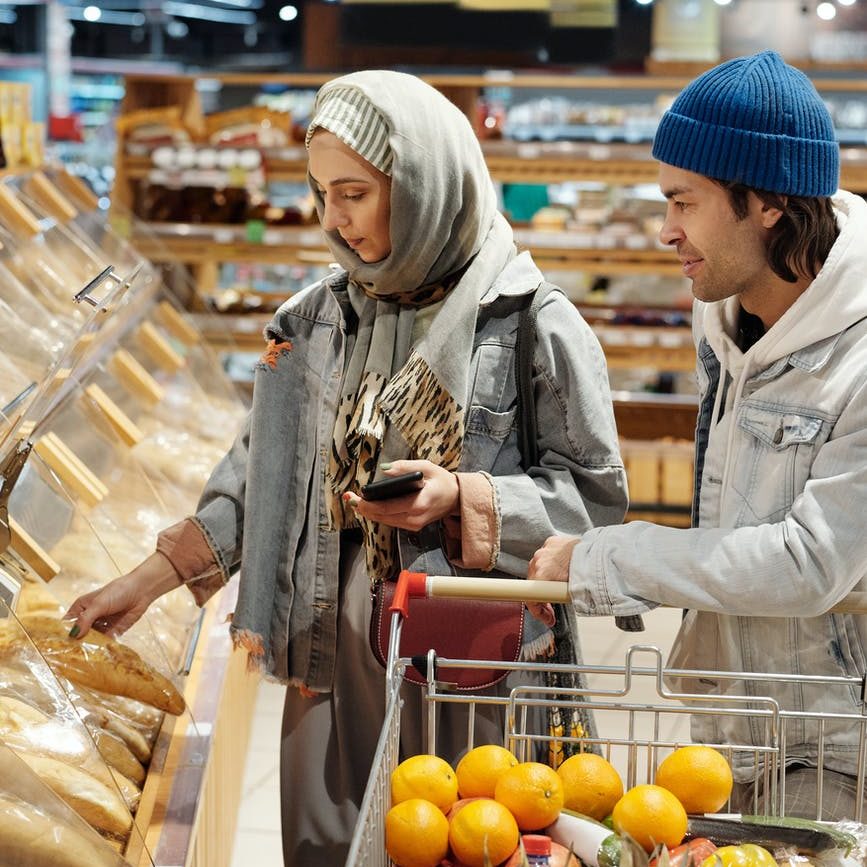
[156, 576]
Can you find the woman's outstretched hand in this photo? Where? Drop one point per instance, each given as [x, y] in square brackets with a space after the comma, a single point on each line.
[115, 607]
[438, 497]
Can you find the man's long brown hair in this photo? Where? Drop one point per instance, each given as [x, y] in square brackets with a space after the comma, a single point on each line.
[803, 236]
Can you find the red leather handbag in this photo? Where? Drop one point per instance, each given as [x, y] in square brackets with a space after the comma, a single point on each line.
[454, 628]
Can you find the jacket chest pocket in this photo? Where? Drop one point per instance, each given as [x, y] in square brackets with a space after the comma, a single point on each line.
[489, 443]
[778, 446]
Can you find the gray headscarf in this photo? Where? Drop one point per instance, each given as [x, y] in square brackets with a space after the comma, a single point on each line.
[446, 233]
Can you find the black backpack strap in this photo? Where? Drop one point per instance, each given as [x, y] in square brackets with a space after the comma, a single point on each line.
[525, 346]
[528, 443]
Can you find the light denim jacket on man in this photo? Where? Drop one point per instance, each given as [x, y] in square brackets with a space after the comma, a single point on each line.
[264, 507]
[781, 499]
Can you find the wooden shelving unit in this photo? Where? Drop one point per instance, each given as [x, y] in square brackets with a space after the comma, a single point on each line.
[529, 162]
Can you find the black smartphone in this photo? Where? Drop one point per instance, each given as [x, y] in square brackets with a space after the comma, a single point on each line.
[393, 486]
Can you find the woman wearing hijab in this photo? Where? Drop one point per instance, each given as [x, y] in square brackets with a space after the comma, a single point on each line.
[400, 360]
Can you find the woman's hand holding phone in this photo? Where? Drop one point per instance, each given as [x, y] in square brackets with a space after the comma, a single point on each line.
[437, 497]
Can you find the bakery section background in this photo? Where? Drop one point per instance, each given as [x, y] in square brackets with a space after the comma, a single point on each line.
[153, 214]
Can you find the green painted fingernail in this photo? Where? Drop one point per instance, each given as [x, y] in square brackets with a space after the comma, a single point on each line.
[385, 466]
[73, 633]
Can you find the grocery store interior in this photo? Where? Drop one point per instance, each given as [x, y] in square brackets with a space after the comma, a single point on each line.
[154, 213]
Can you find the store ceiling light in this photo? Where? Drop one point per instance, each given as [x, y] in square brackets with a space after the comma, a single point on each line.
[288, 13]
[208, 13]
[846, 2]
[177, 29]
[826, 11]
[95, 15]
[644, 2]
[722, 2]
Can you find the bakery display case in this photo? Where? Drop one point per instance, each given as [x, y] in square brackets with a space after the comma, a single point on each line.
[114, 411]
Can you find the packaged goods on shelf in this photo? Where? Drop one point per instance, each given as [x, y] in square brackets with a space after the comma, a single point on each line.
[148, 128]
[255, 126]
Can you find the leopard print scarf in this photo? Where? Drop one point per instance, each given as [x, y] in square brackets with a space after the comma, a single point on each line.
[413, 401]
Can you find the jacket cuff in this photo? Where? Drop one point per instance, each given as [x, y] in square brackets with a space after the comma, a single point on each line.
[473, 538]
[186, 547]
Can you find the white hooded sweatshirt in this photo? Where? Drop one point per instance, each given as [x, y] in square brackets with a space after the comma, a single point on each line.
[780, 536]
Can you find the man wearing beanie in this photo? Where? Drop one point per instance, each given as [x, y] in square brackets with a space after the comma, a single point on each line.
[778, 263]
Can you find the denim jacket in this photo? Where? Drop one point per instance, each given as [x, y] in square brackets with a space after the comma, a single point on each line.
[264, 506]
[781, 492]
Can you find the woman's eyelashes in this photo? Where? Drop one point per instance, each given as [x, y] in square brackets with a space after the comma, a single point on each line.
[345, 196]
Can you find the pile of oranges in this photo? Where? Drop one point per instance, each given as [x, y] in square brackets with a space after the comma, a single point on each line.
[475, 813]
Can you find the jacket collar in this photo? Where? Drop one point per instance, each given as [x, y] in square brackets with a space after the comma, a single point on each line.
[519, 277]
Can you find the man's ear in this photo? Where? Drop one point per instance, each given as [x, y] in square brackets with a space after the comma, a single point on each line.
[771, 214]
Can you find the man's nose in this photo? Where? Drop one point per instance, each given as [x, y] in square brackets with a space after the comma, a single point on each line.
[671, 231]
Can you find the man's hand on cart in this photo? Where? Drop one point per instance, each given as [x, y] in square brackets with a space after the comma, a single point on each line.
[438, 498]
[550, 563]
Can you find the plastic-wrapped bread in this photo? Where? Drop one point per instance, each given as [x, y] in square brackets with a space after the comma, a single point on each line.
[130, 792]
[143, 718]
[25, 729]
[118, 755]
[36, 598]
[100, 806]
[30, 837]
[95, 661]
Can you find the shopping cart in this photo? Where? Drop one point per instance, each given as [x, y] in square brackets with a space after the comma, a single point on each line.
[649, 728]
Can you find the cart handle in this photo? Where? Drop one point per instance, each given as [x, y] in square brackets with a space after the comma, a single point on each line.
[418, 584]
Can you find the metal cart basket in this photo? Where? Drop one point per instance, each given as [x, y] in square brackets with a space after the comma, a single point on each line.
[647, 730]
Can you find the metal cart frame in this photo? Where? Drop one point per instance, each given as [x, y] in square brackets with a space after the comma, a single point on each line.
[610, 691]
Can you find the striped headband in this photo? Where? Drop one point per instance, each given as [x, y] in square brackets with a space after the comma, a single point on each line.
[355, 120]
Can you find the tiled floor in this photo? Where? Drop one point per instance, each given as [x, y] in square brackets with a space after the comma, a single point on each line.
[257, 840]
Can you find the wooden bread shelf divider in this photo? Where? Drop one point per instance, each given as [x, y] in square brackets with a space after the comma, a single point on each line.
[16, 216]
[129, 433]
[70, 470]
[159, 348]
[29, 550]
[77, 190]
[174, 322]
[135, 378]
[38, 187]
[79, 464]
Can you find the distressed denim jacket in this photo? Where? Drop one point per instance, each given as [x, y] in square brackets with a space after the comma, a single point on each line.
[264, 507]
[781, 494]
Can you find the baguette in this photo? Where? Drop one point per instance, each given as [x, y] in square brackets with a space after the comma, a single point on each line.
[25, 729]
[95, 661]
[129, 790]
[119, 756]
[29, 836]
[99, 806]
[134, 739]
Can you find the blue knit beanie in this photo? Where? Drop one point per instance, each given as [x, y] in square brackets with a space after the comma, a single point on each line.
[756, 121]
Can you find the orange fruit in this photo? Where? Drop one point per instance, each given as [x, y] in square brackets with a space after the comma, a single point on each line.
[698, 776]
[650, 815]
[591, 785]
[483, 829]
[533, 792]
[424, 776]
[479, 770]
[416, 834]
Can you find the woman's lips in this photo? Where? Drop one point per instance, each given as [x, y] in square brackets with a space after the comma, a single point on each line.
[354, 242]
